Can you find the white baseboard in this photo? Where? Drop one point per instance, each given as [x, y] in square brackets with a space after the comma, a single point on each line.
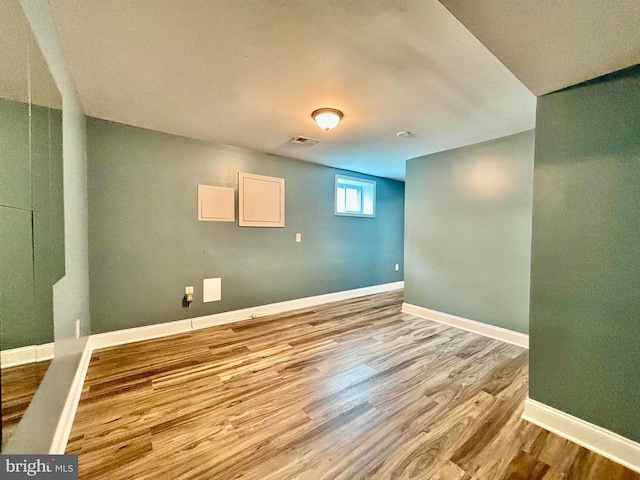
[130, 335]
[23, 355]
[45, 352]
[600, 440]
[273, 308]
[499, 333]
[119, 337]
[63, 430]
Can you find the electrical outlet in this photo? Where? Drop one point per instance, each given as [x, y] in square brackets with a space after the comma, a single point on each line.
[188, 297]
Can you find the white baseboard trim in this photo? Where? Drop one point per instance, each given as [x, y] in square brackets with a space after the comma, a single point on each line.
[119, 337]
[23, 355]
[273, 308]
[45, 352]
[130, 335]
[600, 440]
[63, 430]
[499, 333]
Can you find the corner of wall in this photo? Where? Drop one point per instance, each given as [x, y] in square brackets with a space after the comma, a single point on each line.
[71, 293]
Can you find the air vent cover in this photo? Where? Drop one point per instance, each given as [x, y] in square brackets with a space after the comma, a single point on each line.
[300, 140]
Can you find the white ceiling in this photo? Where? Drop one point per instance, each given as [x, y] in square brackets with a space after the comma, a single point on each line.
[249, 73]
[552, 44]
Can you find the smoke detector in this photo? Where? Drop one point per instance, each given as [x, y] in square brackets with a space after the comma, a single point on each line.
[300, 140]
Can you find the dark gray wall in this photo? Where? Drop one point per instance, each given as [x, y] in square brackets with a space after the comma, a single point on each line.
[585, 277]
[147, 244]
[468, 231]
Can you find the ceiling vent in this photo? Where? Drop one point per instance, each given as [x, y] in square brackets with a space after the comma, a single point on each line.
[300, 140]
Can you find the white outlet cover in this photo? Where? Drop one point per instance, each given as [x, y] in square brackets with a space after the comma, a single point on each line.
[211, 289]
[298, 237]
[188, 290]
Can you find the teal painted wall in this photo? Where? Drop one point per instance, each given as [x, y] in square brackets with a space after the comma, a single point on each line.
[31, 195]
[585, 277]
[468, 231]
[147, 244]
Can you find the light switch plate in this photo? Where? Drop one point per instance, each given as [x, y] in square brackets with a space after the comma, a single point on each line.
[298, 237]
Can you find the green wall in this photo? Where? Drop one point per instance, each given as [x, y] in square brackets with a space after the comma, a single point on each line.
[585, 277]
[468, 231]
[31, 221]
[147, 244]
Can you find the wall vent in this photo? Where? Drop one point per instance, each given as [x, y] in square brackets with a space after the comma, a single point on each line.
[300, 140]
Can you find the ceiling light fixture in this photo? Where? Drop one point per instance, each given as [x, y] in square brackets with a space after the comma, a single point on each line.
[327, 118]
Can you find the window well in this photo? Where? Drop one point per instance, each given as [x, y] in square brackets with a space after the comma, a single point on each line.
[355, 197]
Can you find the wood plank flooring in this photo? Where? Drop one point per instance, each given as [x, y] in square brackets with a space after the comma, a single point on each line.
[348, 390]
[19, 385]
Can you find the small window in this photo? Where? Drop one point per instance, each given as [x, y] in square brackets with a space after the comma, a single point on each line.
[355, 197]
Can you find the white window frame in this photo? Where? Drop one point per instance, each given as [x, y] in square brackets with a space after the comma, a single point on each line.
[365, 187]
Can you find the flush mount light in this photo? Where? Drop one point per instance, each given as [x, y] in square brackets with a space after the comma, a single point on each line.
[327, 118]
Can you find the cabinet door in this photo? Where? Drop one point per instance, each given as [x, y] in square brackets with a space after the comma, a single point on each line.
[17, 287]
[43, 276]
[15, 163]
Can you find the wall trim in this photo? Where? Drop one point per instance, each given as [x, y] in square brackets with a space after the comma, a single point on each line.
[491, 331]
[137, 334]
[23, 355]
[119, 337]
[597, 439]
[63, 430]
[273, 308]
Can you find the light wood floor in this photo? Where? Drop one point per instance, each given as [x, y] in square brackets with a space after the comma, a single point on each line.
[349, 390]
[19, 385]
